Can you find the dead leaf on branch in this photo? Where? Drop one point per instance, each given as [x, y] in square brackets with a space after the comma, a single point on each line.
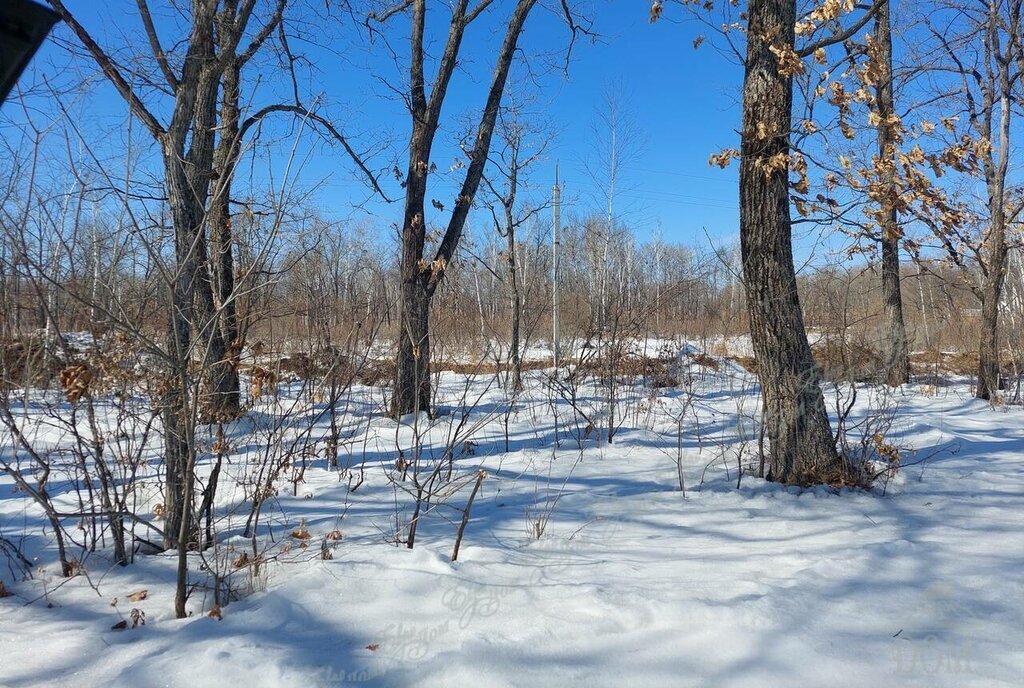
[75, 380]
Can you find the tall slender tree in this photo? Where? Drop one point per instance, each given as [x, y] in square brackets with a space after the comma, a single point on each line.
[421, 274]
[222, 377]
[522, 145]
[897, 353]
[186, 144]
[984, 55]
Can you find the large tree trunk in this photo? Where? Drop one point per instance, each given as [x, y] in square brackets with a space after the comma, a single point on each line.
[217, 389]
[515, 358]
[187, 179]
[222, 378]
[994, 247]
[176, 403]
[802, 447]
[991, 294]
[896, 351]
[412, 369]
[412, 366]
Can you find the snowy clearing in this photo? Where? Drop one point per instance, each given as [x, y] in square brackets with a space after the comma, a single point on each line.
[633, 582]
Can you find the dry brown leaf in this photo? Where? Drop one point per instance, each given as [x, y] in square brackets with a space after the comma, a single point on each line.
[138, 618]
[75, 380]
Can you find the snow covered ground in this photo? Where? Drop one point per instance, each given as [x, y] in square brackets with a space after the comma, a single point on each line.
[633, 582]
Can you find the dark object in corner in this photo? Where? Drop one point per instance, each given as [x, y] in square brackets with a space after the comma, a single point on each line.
[23, 26]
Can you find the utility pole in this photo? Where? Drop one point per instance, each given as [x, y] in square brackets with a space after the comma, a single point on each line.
[555, 201]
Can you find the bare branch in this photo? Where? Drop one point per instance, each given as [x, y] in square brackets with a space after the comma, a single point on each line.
[110, 71]
[301, 111]
[154, 43]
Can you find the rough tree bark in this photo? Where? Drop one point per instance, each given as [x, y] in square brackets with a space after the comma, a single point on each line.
[1001, 93]
[897, 354]
[802, 447]
[989, 370]
[217, 392]
[515, 356]
[186, 178]
[222, 376]
[993, 276]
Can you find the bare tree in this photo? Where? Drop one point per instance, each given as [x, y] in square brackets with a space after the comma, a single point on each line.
[421, 275]
[617, 142]
[232, 130]
[187, 144]
[223, 385]
[985, 56]
[522, 144]
[802, 446]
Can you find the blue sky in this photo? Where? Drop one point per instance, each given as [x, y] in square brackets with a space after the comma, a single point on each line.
[684, 102]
